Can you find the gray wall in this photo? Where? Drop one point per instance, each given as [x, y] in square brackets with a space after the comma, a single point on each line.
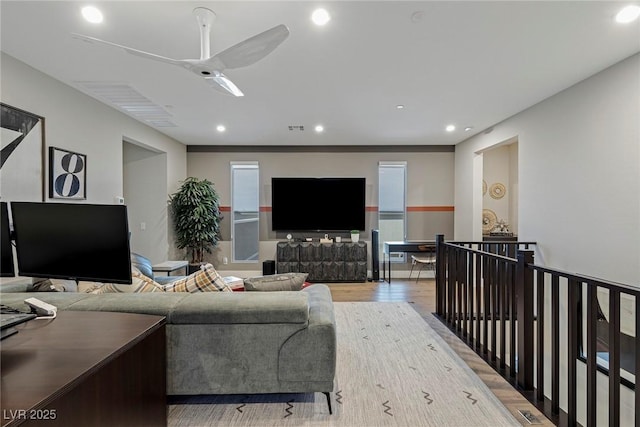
[146, 201]
[578, 193]
[578, 179]
[430, 186]
[77, 122]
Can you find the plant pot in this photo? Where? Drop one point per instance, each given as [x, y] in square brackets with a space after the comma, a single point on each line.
[192, 268]
[355, 237]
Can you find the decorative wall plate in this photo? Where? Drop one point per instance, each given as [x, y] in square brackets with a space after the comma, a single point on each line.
[484, 187]
[489, 220]
[497, 190]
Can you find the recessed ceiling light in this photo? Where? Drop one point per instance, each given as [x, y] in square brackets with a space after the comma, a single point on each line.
[319, 128]
[450, 128]
[468, 128]
[399, 106]
[628, 14]
[320, 17]
[92, 14]
[221, 128]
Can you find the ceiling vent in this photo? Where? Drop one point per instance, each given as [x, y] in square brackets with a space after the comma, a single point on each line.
[130, 101]
[298, 128]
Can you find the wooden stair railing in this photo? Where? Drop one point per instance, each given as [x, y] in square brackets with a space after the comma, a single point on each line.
[483, 288]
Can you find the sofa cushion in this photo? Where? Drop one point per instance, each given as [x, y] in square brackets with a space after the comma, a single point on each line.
[276, 282]
[206, 279]
[234, 308]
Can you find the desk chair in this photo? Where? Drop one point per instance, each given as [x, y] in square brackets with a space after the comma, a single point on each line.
[428, 261]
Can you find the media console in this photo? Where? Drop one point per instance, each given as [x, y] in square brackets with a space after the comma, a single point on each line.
[325, 262]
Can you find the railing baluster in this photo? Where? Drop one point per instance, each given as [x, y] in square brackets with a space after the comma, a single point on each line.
[450, 284]
[459, 292]
[503, 314]
[440, 259]
[486, 303]
[478, 310]
[637, 363]
[470, 285]
[524, 292]
[513, 309]
[592, 337]
[614, 357]
[572, 351]
[540, 337]
[464, 297]
[494, 309]
[555, 344]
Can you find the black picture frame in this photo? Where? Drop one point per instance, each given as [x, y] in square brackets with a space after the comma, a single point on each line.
[67, 174]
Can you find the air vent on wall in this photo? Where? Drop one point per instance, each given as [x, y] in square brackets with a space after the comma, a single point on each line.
[130, 101]
[299, 128]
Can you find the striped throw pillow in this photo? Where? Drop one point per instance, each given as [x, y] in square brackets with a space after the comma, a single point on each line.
[207, 279]
[139, 283]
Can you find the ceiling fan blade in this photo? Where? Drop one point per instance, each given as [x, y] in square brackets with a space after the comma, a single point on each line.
[132, 51]
[221, 81]
[252, 49]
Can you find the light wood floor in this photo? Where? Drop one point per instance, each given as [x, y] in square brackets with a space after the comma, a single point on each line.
[422, 295]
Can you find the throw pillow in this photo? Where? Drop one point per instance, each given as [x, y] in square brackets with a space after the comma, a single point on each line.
[207, 279]
[276, 282]
[139, 283]
[52, 285]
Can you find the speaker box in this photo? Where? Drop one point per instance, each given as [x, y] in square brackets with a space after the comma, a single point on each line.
[375, 261]
[268, 267]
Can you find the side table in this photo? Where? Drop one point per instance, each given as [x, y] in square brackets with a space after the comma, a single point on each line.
[170, 266]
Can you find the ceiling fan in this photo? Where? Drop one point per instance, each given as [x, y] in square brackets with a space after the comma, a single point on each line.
[210, 67]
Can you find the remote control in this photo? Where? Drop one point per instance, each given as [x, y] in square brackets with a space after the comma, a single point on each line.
[41, 308]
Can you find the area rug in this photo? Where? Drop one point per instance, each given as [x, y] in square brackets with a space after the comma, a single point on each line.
[392, 370]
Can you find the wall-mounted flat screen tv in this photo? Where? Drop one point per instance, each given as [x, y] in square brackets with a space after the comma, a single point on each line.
[72, 241]
[318, 204]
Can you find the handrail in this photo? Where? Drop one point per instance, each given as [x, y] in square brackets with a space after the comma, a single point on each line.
[500, 303]
[584, 278]
[493, 242]
[477, 251]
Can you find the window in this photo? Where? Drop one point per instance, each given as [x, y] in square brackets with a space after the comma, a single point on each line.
[245, 211]
[392, 196]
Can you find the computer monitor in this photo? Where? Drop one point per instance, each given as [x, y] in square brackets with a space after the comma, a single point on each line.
[72, 241]
[6, 250]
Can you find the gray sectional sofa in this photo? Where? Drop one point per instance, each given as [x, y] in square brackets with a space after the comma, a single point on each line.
[228, 342]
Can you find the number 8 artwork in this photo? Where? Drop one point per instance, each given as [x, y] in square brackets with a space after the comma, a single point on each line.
[67, 174]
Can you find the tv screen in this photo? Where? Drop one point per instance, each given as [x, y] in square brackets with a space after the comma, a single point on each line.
[318, 204]
[6, 250]
[72, 241]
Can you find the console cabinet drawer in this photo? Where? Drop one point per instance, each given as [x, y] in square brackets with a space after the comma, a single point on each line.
[324, 262]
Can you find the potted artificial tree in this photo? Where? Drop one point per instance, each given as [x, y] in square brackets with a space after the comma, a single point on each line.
[196, 219]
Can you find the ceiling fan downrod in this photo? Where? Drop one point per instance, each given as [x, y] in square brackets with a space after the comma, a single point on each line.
[205, 17]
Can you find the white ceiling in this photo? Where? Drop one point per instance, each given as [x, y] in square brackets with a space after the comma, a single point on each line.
[470, 63]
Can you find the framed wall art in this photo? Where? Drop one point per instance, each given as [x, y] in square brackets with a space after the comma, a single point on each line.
[67, 174]
[22, 140]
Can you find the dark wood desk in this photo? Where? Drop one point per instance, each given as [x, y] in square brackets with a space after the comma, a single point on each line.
[85, 369]
[403, 247]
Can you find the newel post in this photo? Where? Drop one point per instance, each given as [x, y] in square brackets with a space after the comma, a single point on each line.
[524, 316]
[440, 276]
